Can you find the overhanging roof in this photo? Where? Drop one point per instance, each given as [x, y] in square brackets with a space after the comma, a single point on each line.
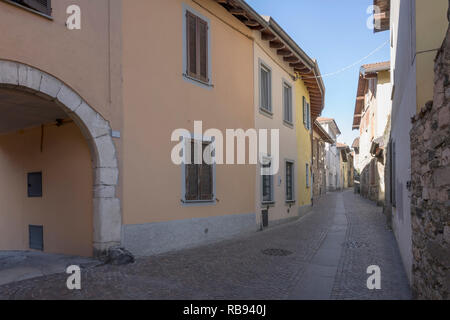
[302, 65]
[329, 120]
[367, 71]
[383, 17]
[322, 133]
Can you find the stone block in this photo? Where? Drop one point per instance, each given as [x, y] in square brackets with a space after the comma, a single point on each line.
[93, 121]
[107, 220]
[9, 73]
[50, 86]
[107, 150]
[104, 191]
[68, 98]
[106, 176]
[29, 77]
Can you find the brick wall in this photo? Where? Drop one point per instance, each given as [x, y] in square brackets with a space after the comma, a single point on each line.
[430, 183]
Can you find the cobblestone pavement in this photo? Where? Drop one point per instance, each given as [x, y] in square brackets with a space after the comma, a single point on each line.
[368, 242]
[237, 269]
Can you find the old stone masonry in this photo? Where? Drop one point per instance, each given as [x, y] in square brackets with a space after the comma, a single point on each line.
[430, 168]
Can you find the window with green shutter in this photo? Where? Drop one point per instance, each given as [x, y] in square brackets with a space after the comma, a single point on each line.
[290, 181]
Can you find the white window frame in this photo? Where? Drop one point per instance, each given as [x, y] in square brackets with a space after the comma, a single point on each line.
[263, 65]
[186, 141]
[284, 85]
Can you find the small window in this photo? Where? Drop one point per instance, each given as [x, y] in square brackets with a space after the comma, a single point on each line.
[265, 88]
[197, 55]
[35, 185]
[307, 175]
[42, 6]
[290, 181]
[306, 114]
[199, 178]
[267, 186]
[287, 102]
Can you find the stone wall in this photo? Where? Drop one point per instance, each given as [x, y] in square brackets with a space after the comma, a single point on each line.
[430, 187]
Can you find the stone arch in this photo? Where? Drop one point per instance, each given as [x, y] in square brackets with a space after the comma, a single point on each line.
[107, 218]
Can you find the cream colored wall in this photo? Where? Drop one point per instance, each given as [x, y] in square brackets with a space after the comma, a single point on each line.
[288, 140]
[303, 146]
[87, 60]
[80, 58]
[65, 210]
[431, 26]
[157, 100]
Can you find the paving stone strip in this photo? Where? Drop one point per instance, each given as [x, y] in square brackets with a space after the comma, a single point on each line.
[238, 268]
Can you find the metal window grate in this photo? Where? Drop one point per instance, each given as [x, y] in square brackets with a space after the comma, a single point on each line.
[36, 237]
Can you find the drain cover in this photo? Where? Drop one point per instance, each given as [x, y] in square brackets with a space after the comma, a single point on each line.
[355, 244]
[276, 252]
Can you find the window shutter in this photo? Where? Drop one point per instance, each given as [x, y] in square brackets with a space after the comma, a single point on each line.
[205, 178]
[206, 182]
[43, 6]
[308, 116]
[203, 48]
[191, 42]
[304, 110]
[192, 177]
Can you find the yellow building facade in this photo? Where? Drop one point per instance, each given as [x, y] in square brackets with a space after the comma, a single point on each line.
[304, 148]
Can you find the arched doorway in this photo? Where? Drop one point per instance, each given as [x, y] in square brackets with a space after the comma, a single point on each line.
[32, 98]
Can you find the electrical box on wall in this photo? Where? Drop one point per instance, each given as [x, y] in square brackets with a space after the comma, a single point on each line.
[35, 184]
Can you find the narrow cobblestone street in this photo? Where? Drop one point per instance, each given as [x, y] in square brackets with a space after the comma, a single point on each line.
[324, 255]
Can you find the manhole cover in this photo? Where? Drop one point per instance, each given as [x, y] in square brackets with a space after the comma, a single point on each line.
[355, 244]
[276, 252]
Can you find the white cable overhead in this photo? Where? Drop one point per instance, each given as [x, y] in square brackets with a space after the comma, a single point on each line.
[350, 66]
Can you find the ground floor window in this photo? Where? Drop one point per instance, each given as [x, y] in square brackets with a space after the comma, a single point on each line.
[290, 181]
[199, 176]
[307, 175]
[267, 184]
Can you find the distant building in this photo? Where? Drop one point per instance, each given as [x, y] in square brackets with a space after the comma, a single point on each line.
[319, 175]
[332, 163]
[372, 111]
[345, 166]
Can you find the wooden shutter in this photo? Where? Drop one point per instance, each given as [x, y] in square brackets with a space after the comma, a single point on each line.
[205, 179]
[202, 33]
[304, 111]
[192, 174]
[191, 42]
[308, 116]
[43, 6]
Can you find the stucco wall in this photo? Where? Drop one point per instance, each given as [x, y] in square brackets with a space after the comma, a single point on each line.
[158, 100]
[431, 25]
[288, 143]
[80, 58]
[65, 210]
[304, 147]
[403, 108]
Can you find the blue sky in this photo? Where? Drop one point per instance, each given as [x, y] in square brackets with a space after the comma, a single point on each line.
[336, 34]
